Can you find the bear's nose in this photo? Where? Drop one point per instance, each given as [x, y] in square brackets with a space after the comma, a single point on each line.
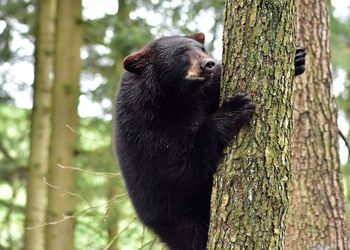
[207, 64]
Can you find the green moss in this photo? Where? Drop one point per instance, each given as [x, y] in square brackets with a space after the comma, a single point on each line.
[252, 17]
[256, 165]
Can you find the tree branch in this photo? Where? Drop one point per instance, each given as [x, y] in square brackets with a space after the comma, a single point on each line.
[347, 144]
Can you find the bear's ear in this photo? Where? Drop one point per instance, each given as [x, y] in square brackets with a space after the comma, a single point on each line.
[199, 37]
[136, 62]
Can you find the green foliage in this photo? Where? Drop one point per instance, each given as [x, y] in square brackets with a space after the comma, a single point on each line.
[340, 42]
[18, 16]
[14, 131]
[340, 45]
[106, 52]
[14, 145]
[346, 173]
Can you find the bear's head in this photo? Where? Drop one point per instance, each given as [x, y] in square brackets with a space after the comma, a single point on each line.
[175, 60]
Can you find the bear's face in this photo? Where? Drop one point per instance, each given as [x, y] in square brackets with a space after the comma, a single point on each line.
[177, 62]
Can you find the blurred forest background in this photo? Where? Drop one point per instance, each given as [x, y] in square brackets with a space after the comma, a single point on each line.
[88, 186]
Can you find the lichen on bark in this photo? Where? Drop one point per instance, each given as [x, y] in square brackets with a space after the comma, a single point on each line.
[250, 191]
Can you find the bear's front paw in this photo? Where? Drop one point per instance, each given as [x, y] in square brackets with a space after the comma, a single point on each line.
[299, 61]
[237, 103]
[240, 105]
[234, 113]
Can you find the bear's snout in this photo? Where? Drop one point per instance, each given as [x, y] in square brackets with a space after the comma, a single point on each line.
[201, 68]
[207, 66]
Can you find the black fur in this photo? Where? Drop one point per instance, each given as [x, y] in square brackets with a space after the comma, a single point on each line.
[299, 61]
[170, 134]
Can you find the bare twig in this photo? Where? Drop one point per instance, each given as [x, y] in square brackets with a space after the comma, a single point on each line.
[66, 192]
[78, 213]
[118, 234]
[76, 132]
[345, 140]
[105, 174]
[150, 243]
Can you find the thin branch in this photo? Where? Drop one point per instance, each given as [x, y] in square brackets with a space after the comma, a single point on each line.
[347, 144]
[66, 192]
[76, 214]
[105, 174]
[151, 243]
[118, 234]
[76, 132]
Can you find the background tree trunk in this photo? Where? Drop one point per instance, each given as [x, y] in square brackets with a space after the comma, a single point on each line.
[41, 127]
[250, 191]
[316, 218]
[114, 213]
[63, 141]
[114, 185]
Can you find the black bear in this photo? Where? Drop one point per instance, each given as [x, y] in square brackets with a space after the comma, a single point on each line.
[170, 133]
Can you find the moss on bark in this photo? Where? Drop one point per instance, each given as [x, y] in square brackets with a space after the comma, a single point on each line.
[250, 191]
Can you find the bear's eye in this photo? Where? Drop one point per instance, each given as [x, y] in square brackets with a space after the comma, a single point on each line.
[203, 49]
[182, 50]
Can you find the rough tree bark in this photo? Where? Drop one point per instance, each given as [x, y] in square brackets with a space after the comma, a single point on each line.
[316, 218]
[250, 191]
[61, 205]
[41, 127]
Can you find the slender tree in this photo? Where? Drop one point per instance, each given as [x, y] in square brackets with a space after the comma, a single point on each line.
[316, 218]
[250, 191]
[114, 214]
[41, 127]
[114, 185]
[61, 204]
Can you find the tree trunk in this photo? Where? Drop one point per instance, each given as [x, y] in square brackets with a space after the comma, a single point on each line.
[113, 213]
[250, 191]
[63, 141]
[114, 186]
[316, 218]
[41, 127]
